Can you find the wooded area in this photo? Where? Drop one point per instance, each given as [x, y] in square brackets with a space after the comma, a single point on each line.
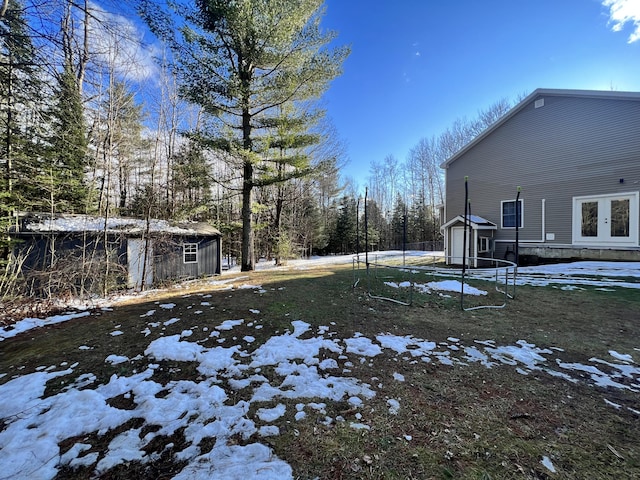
[221, 124]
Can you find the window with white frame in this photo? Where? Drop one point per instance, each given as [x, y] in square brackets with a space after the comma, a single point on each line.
[483, 244]
[509, 213]
[190, 252]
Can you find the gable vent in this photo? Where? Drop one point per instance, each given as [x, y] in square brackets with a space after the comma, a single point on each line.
[539, 103]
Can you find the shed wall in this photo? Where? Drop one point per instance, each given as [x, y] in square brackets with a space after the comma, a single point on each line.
[170, 265]
[64, 261]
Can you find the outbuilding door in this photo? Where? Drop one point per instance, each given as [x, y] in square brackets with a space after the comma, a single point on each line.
[457, 241]
[135, 263]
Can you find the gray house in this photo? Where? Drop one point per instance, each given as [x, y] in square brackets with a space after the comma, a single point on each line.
[80, 252]
[575, 156]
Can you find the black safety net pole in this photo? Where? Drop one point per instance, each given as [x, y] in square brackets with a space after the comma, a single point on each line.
[464, 238]
[358, 229]
[366, 231]
[517, 225]
[470, 232]
[404, 237]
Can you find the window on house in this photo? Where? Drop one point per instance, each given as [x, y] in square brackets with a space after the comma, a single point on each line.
[620, 217]
[509, 213]
[589, 223]
[190, 252]
[483, 244]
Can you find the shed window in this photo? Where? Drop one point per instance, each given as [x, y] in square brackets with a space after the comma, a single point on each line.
[509, 214]
[190, 252]
[483, 244]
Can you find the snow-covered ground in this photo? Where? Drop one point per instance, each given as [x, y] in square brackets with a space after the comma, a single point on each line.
[34, 426]
[586, 273]
[569, 276]
[575, 275]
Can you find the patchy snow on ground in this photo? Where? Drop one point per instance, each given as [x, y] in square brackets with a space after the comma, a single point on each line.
[571, 276]
[35, 426]
[548, 464]
[30, 323]
[309, 363]
[443, 286]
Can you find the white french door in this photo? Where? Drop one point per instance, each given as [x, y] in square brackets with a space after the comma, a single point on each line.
[606, 220]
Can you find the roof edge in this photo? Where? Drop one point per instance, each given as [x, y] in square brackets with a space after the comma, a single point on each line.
[68, 223]
[481, 223]
[556, 92]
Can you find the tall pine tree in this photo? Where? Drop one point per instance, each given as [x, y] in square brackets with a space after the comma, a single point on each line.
[119, 143]
[20, 117]
[286, 158]
[241, 60]
[191, 183]
[68, 158]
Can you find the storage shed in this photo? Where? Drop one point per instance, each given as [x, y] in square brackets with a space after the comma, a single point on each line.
[479, 241]
[121, 252]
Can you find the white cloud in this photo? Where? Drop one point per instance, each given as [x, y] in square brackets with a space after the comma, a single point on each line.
[622, 12]
[117, 40]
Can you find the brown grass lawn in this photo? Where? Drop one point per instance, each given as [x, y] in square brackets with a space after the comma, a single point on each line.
[455, 421]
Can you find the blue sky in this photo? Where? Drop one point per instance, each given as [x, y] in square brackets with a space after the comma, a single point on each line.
[418, 65]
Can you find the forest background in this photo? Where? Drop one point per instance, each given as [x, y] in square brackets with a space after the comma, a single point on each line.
[225, 126]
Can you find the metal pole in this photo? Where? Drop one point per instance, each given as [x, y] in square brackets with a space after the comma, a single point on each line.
[464, 239]
[404, 238]
[366, 230]
[358, 229]
[517, 224]
[471, 249]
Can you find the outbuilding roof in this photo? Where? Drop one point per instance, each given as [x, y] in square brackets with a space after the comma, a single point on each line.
[133, 226]
[476, 222]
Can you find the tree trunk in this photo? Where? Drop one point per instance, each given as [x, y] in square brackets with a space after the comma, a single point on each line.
[247, 249]
[9, 182]
[84, 56]
[123, 188]
[278, 217]
[277, 226]
[248, 255]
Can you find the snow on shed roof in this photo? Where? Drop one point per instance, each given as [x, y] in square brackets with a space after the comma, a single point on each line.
[85, 223]
[479, 220]
[475, 220]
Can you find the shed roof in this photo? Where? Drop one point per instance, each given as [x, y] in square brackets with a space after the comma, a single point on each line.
[133, 226]
[598, 94]
[478, 223]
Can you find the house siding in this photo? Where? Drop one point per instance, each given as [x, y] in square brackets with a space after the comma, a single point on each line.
[572, 146]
